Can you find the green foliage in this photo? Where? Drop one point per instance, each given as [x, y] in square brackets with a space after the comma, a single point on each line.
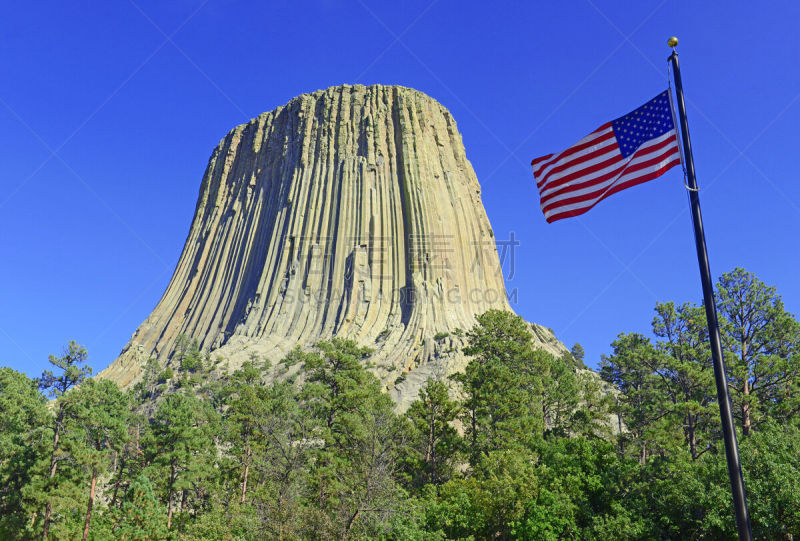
[502, 405]
[691, 499]
[383, 335]
[96, 418]
[771, 461]
[560, 393]
[353, 472]
[72, 367]
[23, 437]
[191, 360]
[180, 449]
[440, 336]
[147, 386]
[433, 448]
[337, 380]
[762, 341]
[140, 517]
[518, 446]
[632, 368]
[98, 415]
[685, 374]
[589, 482]
[166, 375]
[571, 488]
[488, 504]
[578, 355]
[592, 414]
[62, 477]
[667, 402]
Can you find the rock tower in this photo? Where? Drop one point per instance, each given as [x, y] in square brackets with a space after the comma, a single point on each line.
[352, 212]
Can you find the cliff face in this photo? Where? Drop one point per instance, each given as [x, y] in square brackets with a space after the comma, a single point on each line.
[350, 212]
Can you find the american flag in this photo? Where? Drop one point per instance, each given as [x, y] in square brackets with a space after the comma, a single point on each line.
[630, 150]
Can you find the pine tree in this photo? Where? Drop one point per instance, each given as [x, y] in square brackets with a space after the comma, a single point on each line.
[435, 443]
[246, 410]
[146, 387]
[23, 420]
[140, 517]
[501, 384]
[291, 438]
[353, 474]
[686, 373]
[336, 378]
[642, 404]
[579, 355]
[762, 340]
[180, 448]
[73, 370]
[96, 413]
[591, 417]
[561, 394]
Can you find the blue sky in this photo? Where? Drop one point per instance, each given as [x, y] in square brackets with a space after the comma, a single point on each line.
[108, 116]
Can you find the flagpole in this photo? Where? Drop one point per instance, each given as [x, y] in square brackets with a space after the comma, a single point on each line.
[728, 430]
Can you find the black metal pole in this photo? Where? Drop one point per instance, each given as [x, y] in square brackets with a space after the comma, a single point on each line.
[728, 431]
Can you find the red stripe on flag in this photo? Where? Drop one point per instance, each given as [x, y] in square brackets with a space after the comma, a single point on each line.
[578, 147]
[627, 169]
[540, 158]
[640, 169]
[563, 181]
[579, 160]
[617, 188]
[583, 172]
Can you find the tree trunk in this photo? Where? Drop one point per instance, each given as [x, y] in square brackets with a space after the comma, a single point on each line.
[246, 472]
[53, 467]
[46, 528]
[117, 482]
[352, 521]
[474, 420]
[746, 410]
[430, 446]
[746, 392]
[692, 436]
[169, 496]
[169, 510]
[544, 419]
[90, 506]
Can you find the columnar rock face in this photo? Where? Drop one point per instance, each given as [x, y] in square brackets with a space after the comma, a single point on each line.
[349, 212]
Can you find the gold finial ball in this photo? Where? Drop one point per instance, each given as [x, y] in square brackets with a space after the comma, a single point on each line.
[672, 42]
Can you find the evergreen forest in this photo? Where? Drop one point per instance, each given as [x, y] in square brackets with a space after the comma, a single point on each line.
[520, 445]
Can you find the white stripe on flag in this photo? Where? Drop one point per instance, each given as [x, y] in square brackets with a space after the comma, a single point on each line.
[670, 154]
[612, 152]
[642, 154]
[545, 167]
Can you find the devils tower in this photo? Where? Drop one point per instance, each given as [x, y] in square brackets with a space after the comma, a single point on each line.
[351, 212]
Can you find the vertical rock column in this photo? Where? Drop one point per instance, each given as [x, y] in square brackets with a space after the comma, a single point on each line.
[350, 212]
